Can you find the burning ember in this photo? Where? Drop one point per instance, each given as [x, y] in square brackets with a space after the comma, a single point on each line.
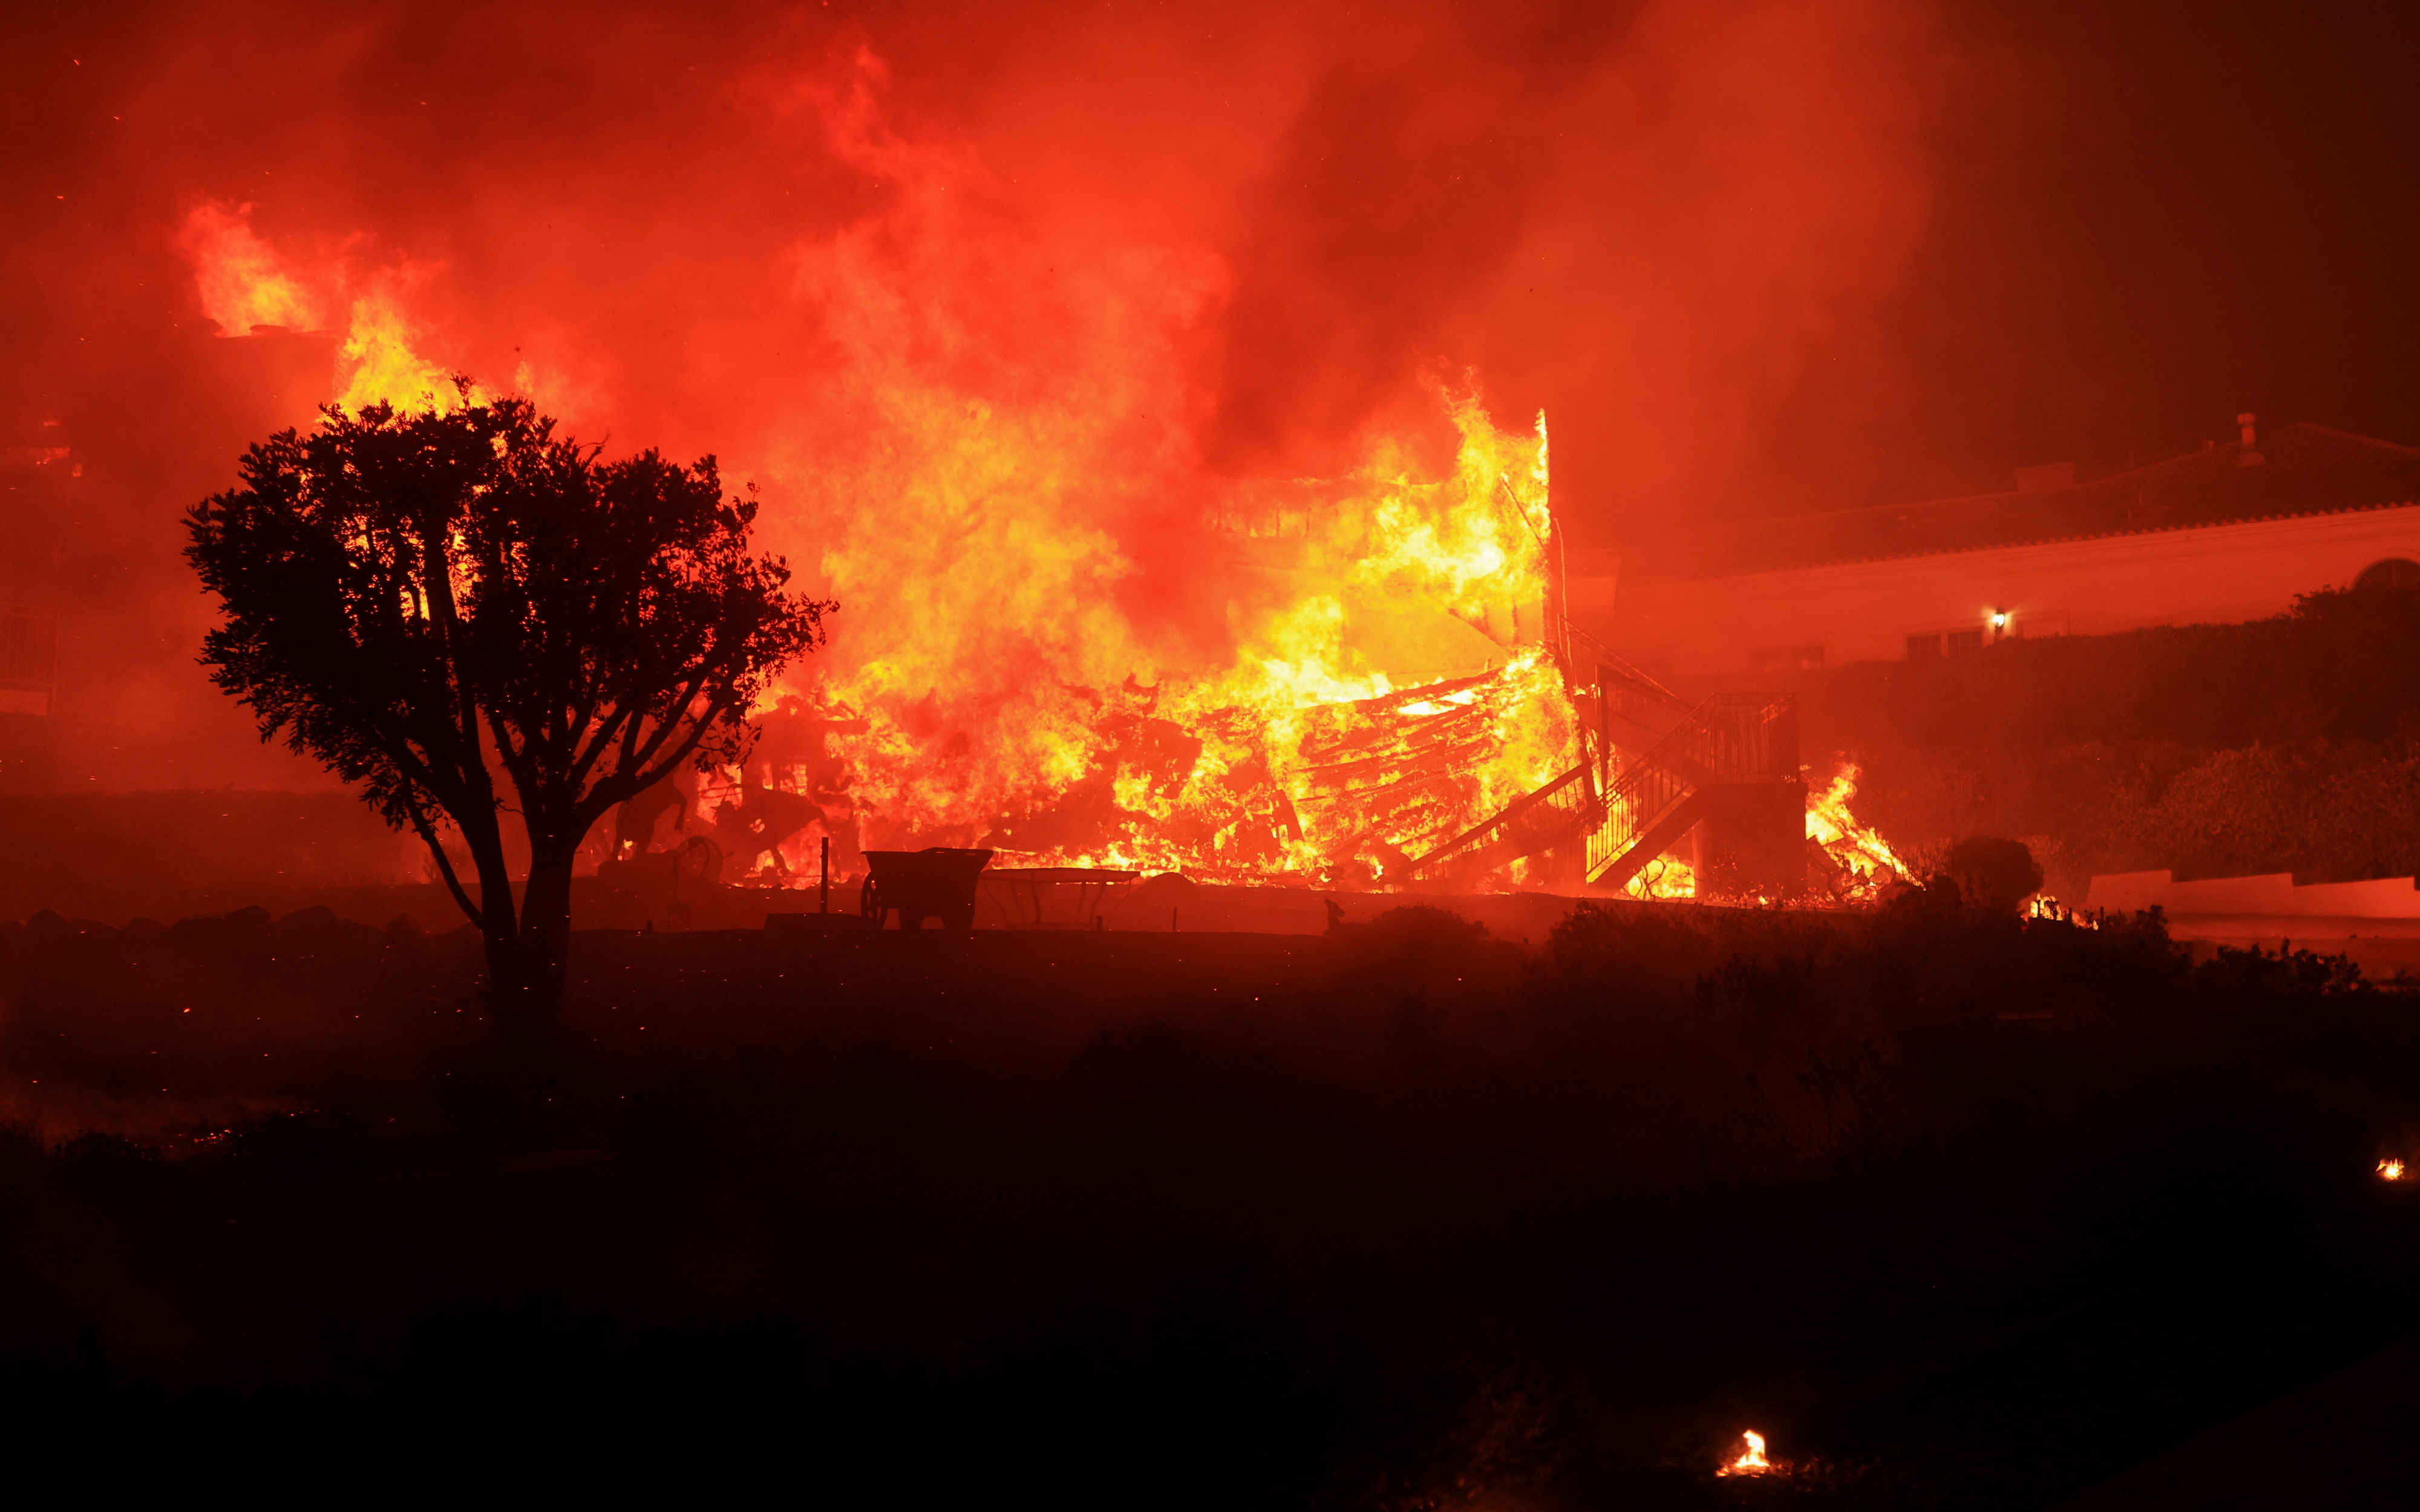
[1750, 1459]
[2390, 1169]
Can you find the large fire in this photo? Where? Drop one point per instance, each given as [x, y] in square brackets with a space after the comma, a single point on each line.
[1390, 667]
[1390, 680]
[1390, 684]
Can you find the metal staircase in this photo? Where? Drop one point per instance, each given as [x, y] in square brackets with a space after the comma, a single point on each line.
[1694, 761]
[1728, 742]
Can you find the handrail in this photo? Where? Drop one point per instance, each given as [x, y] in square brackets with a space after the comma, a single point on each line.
[1730, 737]
[1503, 817]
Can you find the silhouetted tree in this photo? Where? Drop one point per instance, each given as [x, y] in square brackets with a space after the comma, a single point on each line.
[464, 614]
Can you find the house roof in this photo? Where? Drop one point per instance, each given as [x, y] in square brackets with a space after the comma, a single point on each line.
[2303, 470]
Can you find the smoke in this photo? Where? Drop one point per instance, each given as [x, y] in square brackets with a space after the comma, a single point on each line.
[962, 287]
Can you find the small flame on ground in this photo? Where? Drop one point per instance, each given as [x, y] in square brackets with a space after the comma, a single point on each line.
[1750, 1461]
[1666, 877]
[2391, 1169]
[1831, 825]
[1865, 860]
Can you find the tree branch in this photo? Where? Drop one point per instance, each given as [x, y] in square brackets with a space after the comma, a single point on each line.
[445, 862]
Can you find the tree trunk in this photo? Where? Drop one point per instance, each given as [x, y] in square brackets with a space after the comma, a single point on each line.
[546, 930]
[509, 979]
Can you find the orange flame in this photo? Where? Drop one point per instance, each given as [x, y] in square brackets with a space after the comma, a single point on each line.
[1666, 877]
[1061, 635]
[1386, 678]
[242, 283]
[237, 275]
[381, 367]
[1750, 1461]
[1360, 607]
[2391, 1169]
[1863, 857]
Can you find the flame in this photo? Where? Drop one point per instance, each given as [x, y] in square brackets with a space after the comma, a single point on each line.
[1750, 1461]
[1666, 877]
[1864, 856]
[2391, 1169]
[1365, 609]
[381, 366]
[1063, 635]
[1865, 859]
[237, 275]
[244, 283]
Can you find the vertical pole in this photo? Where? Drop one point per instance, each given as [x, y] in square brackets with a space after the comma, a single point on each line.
[827, 884]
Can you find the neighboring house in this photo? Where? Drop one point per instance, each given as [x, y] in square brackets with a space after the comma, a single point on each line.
[2227, 534]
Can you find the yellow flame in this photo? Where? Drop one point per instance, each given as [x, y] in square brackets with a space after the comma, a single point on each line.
[1831, 825]
[1750, 1461]
[383, 367]
[1666, 877]
[1371, 584]
[237, 277]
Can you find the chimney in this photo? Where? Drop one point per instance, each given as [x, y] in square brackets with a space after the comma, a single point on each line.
[2248, 457]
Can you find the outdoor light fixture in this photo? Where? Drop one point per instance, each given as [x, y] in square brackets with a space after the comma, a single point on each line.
[1999, 624]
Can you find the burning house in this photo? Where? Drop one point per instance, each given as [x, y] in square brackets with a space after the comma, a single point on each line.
[1408, 706]
[1371, 681]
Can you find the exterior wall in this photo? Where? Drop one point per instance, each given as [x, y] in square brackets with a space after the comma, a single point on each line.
[1865, 610]
[2270, 896]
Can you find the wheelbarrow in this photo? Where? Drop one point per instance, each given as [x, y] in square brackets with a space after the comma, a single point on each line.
[1050, 897]
[938, 883]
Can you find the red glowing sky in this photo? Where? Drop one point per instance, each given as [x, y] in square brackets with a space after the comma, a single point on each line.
[1756, 254]
[1749, 257]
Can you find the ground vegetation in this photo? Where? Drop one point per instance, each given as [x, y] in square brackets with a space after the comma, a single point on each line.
[1959, 1208]
[2286, 744]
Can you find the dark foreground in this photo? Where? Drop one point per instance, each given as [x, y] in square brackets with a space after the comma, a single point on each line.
[1958, 1212]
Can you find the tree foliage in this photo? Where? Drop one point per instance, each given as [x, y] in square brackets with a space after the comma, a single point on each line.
[465, 614]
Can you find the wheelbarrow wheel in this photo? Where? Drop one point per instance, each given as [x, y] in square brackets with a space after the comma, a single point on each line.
[698, 860]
